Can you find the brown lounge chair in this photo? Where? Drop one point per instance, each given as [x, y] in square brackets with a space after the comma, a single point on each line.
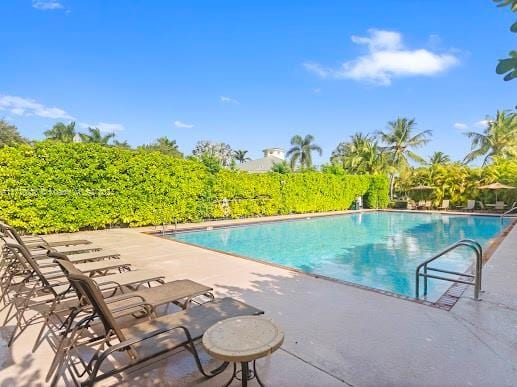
[32, 239]
[50, 298]
[144, 341]
[87, 265]
[19, 266]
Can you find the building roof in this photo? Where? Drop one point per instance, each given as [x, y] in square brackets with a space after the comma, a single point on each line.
[260, 165]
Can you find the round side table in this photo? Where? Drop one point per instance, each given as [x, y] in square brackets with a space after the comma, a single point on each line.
[243, 340]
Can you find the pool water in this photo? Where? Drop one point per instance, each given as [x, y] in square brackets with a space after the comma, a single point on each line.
[376, 249]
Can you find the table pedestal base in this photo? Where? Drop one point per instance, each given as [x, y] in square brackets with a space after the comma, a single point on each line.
[244, 374]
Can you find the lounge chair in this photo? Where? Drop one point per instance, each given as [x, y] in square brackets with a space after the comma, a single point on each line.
[90, 256]
[19, 267]
[420, 204]
[445, 205]
[499, 206]
[143, 342]
[51, 297]
[428, 204]
[31, 239]
[471, 204]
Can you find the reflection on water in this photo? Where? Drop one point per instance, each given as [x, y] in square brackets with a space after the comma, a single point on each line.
[380, 250]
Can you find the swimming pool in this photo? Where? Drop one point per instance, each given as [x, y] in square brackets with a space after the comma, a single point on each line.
[380, 250]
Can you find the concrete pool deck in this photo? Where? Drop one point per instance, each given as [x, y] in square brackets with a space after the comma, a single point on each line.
[335, 334]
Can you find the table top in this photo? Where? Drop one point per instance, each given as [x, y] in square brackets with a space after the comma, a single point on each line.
[243, 339]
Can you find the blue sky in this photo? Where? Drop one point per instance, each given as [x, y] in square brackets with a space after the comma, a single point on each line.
[253, 73]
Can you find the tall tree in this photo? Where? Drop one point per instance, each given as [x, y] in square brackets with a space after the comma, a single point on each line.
[508, 66]
[61, 132]
[165, 146]
[207, 150]
[360, 155]
[499, 139]
[301, 151]
[121, 144]
[9, 134]
[94, 135]
[240, 155]
[399, 141]
[439, 158]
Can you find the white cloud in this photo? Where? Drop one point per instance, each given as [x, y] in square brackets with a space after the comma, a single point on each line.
[28, 107]
[103, 126]
[482, 124]
[460, 126]
[224, 99]
[179, 124]
[387, 58]
[47, 5]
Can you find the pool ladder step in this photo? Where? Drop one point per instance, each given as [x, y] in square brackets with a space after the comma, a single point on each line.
[422, 270]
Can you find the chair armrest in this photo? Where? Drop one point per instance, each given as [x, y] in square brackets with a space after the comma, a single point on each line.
[147, 336]
[123, 297]
[146, 307]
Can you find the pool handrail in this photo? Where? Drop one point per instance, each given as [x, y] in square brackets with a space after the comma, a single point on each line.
[512, 209]
[472, 244]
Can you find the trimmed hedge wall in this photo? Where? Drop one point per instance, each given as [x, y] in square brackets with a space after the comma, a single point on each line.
[53, 187]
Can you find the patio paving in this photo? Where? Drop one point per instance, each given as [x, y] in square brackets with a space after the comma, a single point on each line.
[335, 334]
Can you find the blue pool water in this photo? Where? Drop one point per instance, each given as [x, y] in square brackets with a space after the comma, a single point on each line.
[376, 249]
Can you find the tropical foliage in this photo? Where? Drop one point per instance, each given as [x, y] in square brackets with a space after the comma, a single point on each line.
[208, 150]
[499, 139]
[121, 144]
[281, 167]
[61, 132]
[9, 134]
[301, 151]
[360, 155]
[459, 183]
[240, 155]
[439, 158]
[164, 145]
[508, 66]
[95, 136]
[399, 141]
[54, 186]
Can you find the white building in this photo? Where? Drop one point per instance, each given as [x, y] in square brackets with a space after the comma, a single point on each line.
[271, 156]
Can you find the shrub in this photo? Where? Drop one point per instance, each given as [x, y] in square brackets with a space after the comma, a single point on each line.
[459, 183]
[53, 187]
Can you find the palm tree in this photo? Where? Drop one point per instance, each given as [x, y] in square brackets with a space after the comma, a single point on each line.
[361, 155]
[301, 152]
[280, 167]
[121, 144]
[165, 146]
[61, 132]
[499, 139]
[439, 158]
[399, 140]
[95, 136]
[240, 155]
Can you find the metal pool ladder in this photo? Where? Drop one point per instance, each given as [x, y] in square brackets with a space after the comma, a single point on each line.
[507, 213]
[423, 269]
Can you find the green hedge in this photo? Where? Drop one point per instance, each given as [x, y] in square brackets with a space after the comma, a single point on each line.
[52, 187]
